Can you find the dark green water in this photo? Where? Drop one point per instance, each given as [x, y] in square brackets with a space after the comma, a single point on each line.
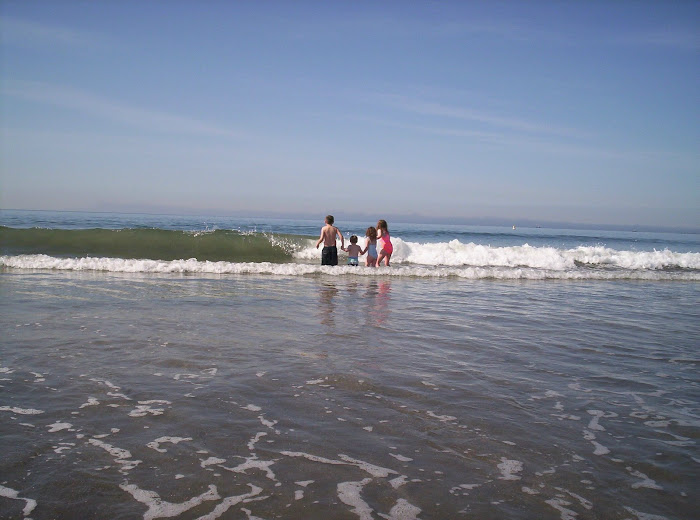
[154, 244]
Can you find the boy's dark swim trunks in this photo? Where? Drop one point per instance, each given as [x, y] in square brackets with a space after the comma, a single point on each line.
[329, 255]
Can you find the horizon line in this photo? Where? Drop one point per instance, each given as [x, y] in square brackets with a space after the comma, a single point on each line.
[397, 218]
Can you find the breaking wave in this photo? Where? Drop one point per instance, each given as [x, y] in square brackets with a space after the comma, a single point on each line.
[236, 252]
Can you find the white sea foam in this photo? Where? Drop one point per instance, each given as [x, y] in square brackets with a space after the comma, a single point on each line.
[158, 508]
[645, 516]
[375, 471]
[509, 468]
[143, 410]
[254, 463]
[174, 440]
[64, 446]
[559, 504]
[484, 262]
[349, 493]
[58, 426]
[587, 504]
[121, 456]
[90, 402]
[101, 381]
[13, 494]
[250, 514]
[268, 423]
[212, 461]
[21, 411]
[594, 425]
[402, 458]
[252, 442]
[646, 482]
[456, 253]
[155, 401]
[442, 418]
[399, 481]
[599, 449]
[403, 510]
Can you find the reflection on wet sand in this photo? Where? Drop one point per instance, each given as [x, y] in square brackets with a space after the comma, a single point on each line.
[327, 294]
[378, 297]
[374, 302]
[228, 398]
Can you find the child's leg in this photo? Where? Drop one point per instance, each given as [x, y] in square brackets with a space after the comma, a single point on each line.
[380, 258]
[388, 257]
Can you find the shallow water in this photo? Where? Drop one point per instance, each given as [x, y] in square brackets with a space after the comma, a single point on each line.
[129, 395]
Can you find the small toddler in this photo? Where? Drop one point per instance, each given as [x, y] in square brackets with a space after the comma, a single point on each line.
[354, 251]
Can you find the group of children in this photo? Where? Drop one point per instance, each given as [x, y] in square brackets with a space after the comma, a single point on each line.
[378, 236]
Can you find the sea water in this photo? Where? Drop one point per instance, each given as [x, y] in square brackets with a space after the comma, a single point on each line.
[489, 373]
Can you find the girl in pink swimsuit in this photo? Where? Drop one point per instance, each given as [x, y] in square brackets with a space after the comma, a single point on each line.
[384, 242]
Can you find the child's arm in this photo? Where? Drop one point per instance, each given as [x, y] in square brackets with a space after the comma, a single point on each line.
[342, 240]
[318, 242]
[363, 251]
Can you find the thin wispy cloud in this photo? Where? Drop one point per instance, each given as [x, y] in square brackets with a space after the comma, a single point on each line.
[439, 110]
[547, 145]
[97, 106]
[678, 37]
[666, 38]
[527, 31]
[450, 132]
[381, 26]
[15, 31]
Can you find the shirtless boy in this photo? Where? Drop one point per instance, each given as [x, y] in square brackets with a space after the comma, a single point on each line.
[329, 255]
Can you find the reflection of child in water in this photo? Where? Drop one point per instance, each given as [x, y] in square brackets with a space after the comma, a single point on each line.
[378, 298]
[354, 251]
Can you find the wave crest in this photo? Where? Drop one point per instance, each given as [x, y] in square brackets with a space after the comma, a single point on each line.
[459, 254]
[194, 266]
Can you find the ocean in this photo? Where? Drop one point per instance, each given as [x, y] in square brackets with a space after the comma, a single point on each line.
[201, 368]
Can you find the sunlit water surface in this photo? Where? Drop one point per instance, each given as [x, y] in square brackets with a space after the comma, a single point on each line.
[260, 397]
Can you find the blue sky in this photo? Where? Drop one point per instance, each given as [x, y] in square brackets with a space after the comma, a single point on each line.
[554, 111]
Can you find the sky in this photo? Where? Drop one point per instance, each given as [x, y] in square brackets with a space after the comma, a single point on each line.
[559, 111]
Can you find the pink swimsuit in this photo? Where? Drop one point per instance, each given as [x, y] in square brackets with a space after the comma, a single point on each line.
[386, 246]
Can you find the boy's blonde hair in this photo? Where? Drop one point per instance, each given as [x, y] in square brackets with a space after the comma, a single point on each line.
[330, 220]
